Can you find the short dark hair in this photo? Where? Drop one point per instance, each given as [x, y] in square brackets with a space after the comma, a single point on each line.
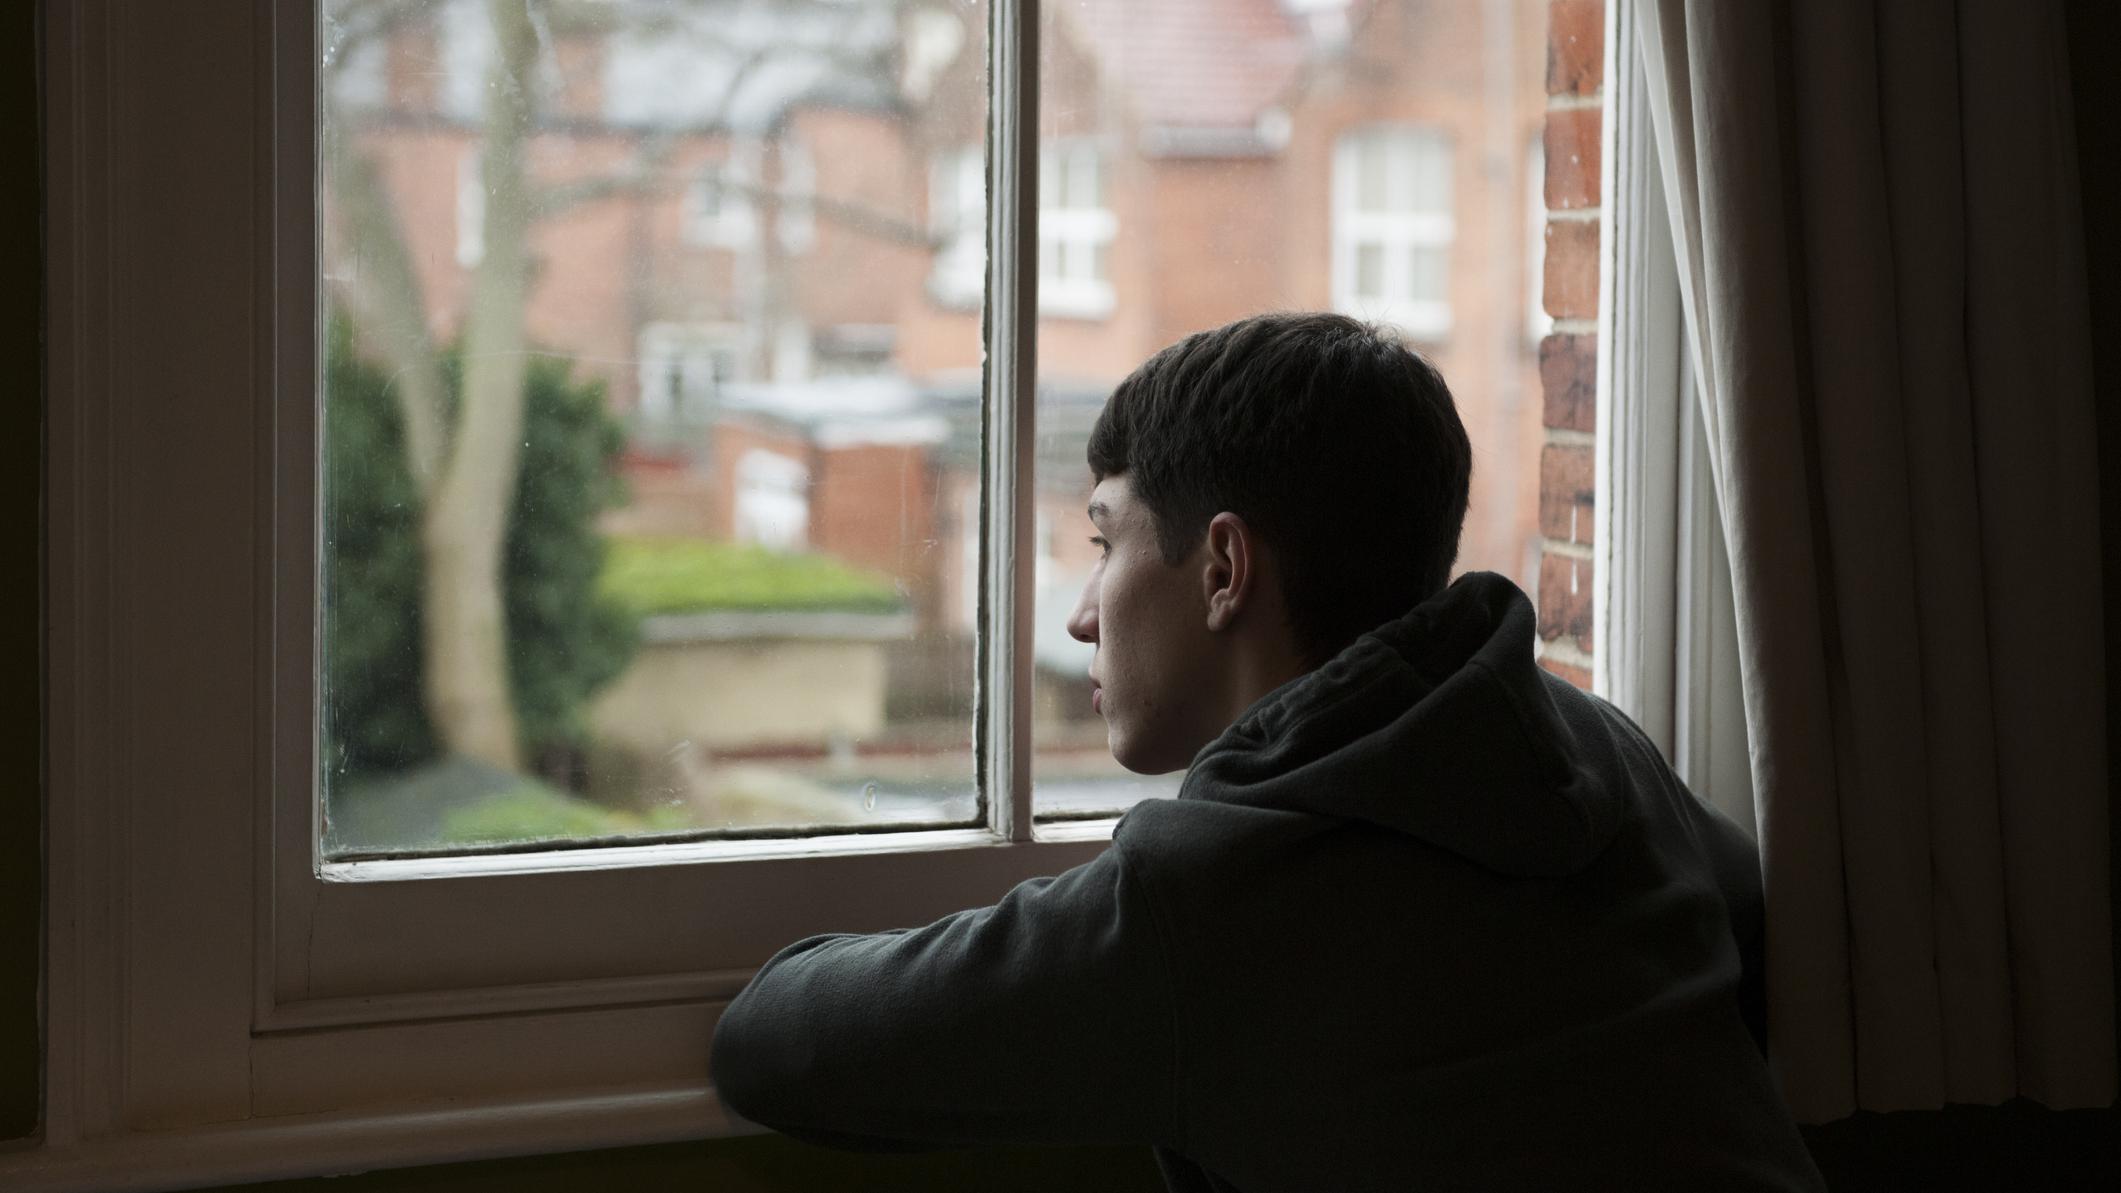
[1338, 444]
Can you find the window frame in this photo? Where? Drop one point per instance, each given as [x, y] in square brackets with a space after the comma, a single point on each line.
[1663, 615]
[222, 1007]
[1399, 235]
[733, 223]
[1078, 231]
[957, 202]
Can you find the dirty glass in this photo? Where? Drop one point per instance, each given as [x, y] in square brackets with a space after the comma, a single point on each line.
[650, 397]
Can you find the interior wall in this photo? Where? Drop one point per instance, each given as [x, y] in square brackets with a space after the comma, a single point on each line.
[21, 674]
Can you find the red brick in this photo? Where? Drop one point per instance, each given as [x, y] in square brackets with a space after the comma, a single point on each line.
[1575, 47]
[1572, 152]
[1565, 599]
[1575, 675]
[1571, 290]
[1566, 492]
[1568, 375]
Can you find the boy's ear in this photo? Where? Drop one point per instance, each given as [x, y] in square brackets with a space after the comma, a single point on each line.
[1231, 571]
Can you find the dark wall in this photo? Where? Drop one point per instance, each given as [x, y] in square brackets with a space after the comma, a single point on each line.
[21, 543]
[2016, 1147]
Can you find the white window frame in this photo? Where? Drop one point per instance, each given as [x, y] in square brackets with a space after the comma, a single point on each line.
[957, 216]
[1075, 227]
[1397, 234]
[1537, 322]
[772, 500]
[693, 350]
[732, 223]
[221, 1006]
[797, 222]
[1663, 616]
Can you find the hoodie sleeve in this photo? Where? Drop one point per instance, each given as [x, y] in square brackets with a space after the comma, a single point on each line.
[1736, 864]
[1046, 1018]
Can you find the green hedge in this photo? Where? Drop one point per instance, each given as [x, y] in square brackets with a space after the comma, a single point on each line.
[662, 575]
[565, 641]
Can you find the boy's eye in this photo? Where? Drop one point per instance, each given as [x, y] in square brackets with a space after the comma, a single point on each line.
[1098, 541]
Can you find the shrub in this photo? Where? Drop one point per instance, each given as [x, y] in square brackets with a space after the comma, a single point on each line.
[565, 640]
[658, 575]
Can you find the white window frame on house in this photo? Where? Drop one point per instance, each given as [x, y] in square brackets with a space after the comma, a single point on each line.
[702, 356]
[1537, 322]
[772, 500]
[717, 210]
[797, 222]
[1396, 233]
[1076, 230]
[957, 216]
[223, 1004]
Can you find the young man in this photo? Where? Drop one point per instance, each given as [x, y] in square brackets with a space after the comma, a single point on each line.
[1422, 916]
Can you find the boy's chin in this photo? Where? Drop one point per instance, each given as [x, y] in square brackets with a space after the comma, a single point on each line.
[1144, 759]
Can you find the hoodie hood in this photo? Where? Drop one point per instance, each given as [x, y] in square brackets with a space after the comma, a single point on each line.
[1438, 725]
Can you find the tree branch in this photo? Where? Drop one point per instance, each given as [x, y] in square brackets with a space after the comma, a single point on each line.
[856, 216]
[383, 287]
[642, 175]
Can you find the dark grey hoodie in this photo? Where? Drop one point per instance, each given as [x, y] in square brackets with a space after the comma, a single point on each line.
[1425, 918]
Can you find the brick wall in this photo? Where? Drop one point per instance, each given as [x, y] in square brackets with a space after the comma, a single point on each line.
[1568, 356]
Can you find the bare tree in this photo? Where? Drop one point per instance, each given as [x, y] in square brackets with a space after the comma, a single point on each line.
[464, 456]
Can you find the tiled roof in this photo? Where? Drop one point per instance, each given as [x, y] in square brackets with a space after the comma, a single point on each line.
[1197, 64]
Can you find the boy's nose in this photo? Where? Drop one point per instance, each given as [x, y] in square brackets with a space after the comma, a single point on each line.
[1082, 623]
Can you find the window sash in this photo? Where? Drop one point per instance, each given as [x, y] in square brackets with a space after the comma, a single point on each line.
[393, 938]
[206, 966]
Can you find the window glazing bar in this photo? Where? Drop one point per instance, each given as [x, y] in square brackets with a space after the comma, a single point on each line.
[1007, 586]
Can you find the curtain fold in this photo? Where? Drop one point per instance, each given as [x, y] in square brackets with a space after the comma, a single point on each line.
[1874, 208]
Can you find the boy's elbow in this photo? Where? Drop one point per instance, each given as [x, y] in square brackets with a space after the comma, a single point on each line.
[741, 1065]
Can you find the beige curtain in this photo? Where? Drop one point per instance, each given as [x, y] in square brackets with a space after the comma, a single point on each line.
[1876, 212]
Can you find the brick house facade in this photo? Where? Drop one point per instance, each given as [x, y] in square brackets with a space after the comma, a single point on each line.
[1568, 356]
[1246, 110]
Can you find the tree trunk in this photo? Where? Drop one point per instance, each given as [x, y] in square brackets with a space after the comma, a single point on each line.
[466, 519]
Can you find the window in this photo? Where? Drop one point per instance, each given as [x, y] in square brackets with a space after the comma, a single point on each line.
[957, 213]
[683, 368]
[772, 500]
[1076, 229]
[1393, 227]
[1537, 322]
[718, 204]
[798, 220]
[234, 998]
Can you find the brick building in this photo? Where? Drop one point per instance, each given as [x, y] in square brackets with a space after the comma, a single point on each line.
[764, 229]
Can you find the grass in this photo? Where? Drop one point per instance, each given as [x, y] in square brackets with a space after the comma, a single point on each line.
[534, 812]
[671, 575]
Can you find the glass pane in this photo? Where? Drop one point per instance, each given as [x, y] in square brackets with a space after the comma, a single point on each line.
[1232, 138]
[1370, 271]
[651, 485]
[1425, 275]
[1372, 171]
[1430, 162]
